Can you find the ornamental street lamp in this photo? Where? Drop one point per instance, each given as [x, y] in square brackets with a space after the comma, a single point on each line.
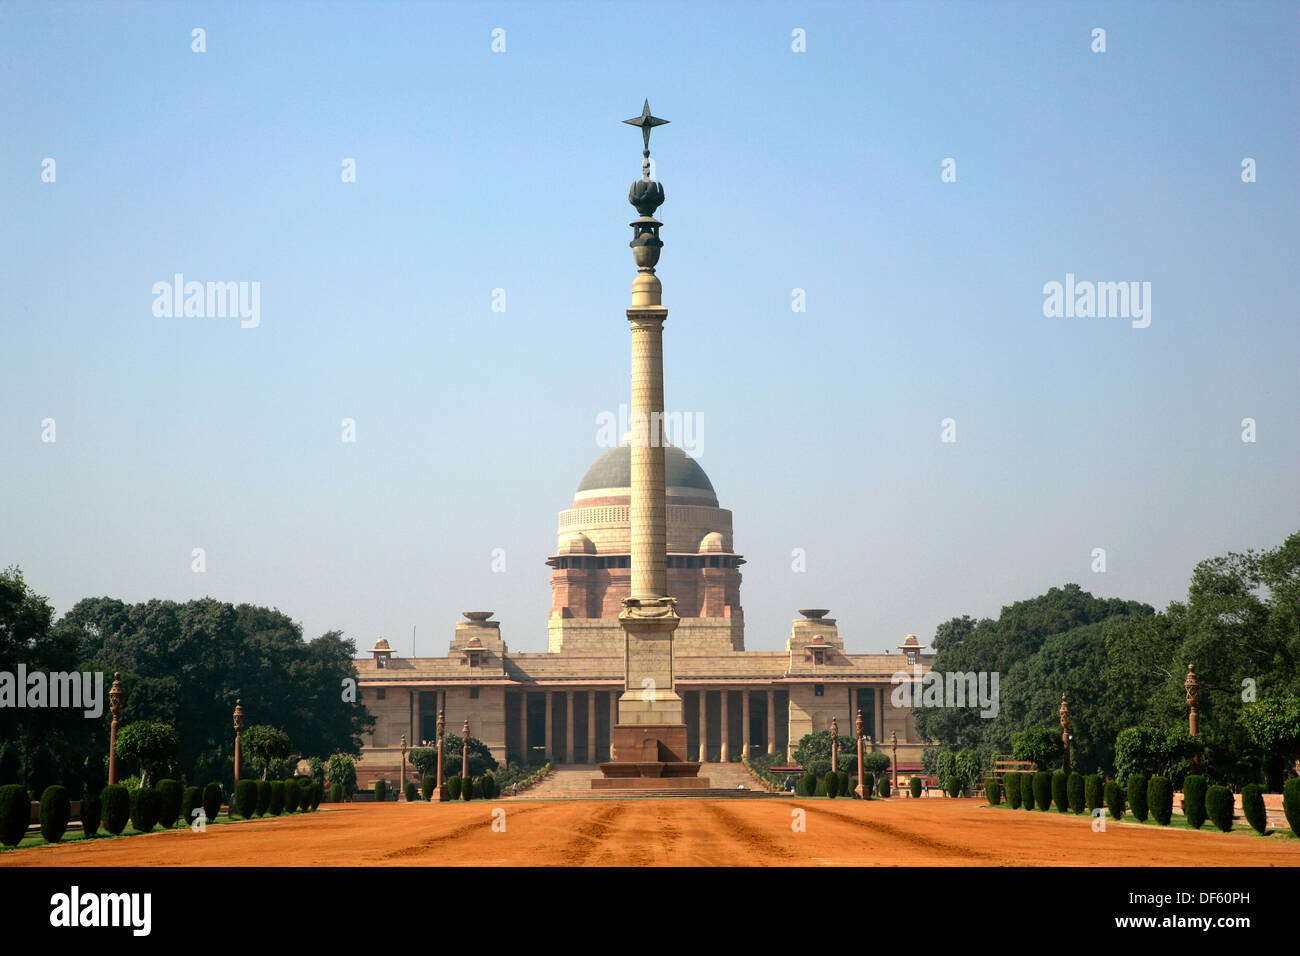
[835, 745]
[114, 705]
[403, 784]
[893, 739]
[1065, 733]
[239, 732]
[440, 791]
[1193, 689]
[861, 790]
[464, 752]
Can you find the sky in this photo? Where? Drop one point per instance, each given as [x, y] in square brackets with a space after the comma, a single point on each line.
[462, 302]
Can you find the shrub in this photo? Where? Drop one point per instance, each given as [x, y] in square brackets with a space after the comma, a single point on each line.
[1137, 797]
[381, 791]
[15, 813]
[1291, 804]
[1060, 791]
[1074, 792]
[317, 794]
[1043, 790]
[1194, 800]
[144, 809]
[336, 793]
[832, 785]
[808, 785]
[883, 785]
[1114, 800]
[1093, 796]
[428, 785]
[56, 811]
[116, 802]
[1219, 807]
[91, 810]
[409, 790]
[263, 797]
[191, 800]
[1012, 782]
[276, 806]
[1160, 799]
[993, 790]
[869, 785]
[169, 802]
[453, 788]
[467, 788]
[246, 798]
[212, 800]
[915, 786]
[1026, 790]
[952, 786]
[292, 796]
[1252, 806]
[490, 788]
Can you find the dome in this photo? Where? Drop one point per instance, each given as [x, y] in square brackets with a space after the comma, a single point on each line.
[712, 542]
[683, 475]
[576, 543]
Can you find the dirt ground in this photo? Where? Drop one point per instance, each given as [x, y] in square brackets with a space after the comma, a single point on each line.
[673, 833]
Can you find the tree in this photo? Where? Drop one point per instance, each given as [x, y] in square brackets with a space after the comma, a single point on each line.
[424, 760]
[815, 749]
[1274, 725]
[150, 743]
[343, 772]
[480, 757]
[1042, 745]
[264, 744]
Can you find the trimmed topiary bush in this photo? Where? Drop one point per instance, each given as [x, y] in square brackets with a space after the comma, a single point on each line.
[1074, 792]
[191, 800]
[915, 785]
[169, 802]
[213, 798]
[144, 809]
[1219, 807]
[993, 790]
[1160, 799]
[428, 785]
[317, 794]
[381, 791]
[56, 811]
[276, 806]
[1093, 797]
[292, 796]
[15, 813]
[1114, 800]
[832, 785]
[1194, 800]
[91, 810]
[115, 800]
[467, 788]
[1060, 792]
[409, 790]
[1043, 790]
[453, 788]
[336, 793]
[1012, 783]
[1291, 804]
[952, 786]
[246, 798]
[1027, 798]
[1137, 797]
[869, 784]
[1252, 807]
[809, 785]
[883, 786]
[264, 797]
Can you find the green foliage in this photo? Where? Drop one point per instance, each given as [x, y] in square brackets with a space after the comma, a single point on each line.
[91, 813]
[191, 800]
[151, 744]
[1152, 751]
[169, 802]
[1093, 793]
[410, 791]
[1040, 745]
[1026, 790]
[292, 796]
[145, 805]
[316, 770]
[15, 813]
[1291, 804]
[381, 791]
[1114, 800]
[1219, 807]
[264, 744]
[1194, 800]
[116, 801]
[833, 785]
[424, 760]
[1137, 797]
[1273, 724]
[467, 788]
[1043, 790]
[489, 787]
[993, 791]
[1160, 799]
[882, 786]
[317, 793]
[914, 785]
[56, 811]
[453, 788]
[342, 770]
[276, 806]
[874, 763]
[263, 797]
[246, 798]
[1252, 807]
[945, 767]
[1012, 781]
[952, 786]
[816, 749]
[213, 798]
[480, 757]
[1074, 792]
[807, 785]
[1060, 791]
[336, 793]
[869, 785]
[428, 785]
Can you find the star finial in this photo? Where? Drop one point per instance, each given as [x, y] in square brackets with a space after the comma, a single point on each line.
[647, 123]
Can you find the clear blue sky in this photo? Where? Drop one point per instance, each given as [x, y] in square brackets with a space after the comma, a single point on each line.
[479, 170]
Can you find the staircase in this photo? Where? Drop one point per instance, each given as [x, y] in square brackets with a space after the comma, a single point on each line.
[573, 781]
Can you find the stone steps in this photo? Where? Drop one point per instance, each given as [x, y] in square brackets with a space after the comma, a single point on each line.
[573, 782]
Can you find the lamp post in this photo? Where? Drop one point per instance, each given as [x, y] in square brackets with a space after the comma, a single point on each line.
[893, 739]
[464, 753]
[114, 705]
[1193, 689]
[1065, 733]
[861, 791]
[402, 786]
[440, 794]
[835, 745]
[239, 732]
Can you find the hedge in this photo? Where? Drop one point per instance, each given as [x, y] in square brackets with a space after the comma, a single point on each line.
[169, 802]
[264, 796]
[868, 784]
[1291, 804]
[1093, 796]
[1137, 797]
[832, 785]
[1060, 791]
[1252, 805]
[807, 785]
[1219, 808]
[191, 800]
[409, 791]
[1027, 798]
[90, 814]
[56, 811]
[1074, 790]
[952, 786]
[453, 788]
[1160, 799]
[212, 800]
[246, 798]
[1043, 790]
[914, 785]
[144, 808]
[116, 801]
[1012, 781]
[292, 796]
[336, 793]
[317, 794]
[883, 786]
[381, 791]
[1114, 800]
[1194, 800]
[993, 790]
[428, 785]
[276, 807]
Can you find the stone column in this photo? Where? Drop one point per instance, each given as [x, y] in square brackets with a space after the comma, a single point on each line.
[835, 745]
[704, 725]
[591, 726]
[568, 726]
[613, 719]
[744, 723]
[523, 727]
[771, 721]
[464, 751]
[440, 794]
[550, 717]
[880, 715]
[726, 735]
[239, 733]
[861, 789]
[115, 707]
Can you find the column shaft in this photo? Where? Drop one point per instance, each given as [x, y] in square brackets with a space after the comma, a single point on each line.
[726, 735]
[550, 719]
[771, 721]
[744, 724]
[704, 725]
[568, 726]
[591, 726]
[523, 727]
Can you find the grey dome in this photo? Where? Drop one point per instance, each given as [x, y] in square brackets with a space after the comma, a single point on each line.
[614, 470]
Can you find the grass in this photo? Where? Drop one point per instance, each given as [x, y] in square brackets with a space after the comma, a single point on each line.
[75, 834]
[1176, 822]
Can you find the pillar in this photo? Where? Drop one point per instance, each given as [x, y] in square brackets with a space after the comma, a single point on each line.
[591, 726]
[880, 716]
[771, 721]
[613, 719]
[704, 725]
[523, 726]
[550, 716]
[568, 726]
[744, 724]
[725, 755]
